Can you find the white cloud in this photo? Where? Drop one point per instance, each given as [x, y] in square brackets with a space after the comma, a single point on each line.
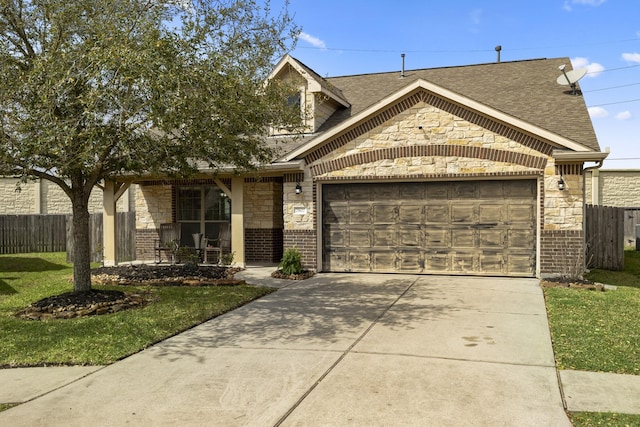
[568, 3]
[597, 112]
[631, 57]
[593, 68]
[313, 41]
[623, 115]
[476, 16]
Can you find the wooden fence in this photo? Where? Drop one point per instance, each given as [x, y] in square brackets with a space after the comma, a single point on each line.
[52, 233]
[604, 236]
[32, 233]
[631, 219]
[126, 236]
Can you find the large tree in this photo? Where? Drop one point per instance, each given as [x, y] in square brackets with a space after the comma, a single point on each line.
[93, 89]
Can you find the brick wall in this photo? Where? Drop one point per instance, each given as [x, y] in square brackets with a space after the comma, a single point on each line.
[263, 244]
[305, 241]
[561, 252]
[145, 239]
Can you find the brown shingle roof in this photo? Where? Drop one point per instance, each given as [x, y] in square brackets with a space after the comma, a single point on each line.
[526, 90]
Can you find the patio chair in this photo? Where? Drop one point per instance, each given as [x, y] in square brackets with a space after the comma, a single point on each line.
[168, 242]
[214, 249]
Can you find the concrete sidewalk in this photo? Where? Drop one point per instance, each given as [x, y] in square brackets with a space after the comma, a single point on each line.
[335, 349]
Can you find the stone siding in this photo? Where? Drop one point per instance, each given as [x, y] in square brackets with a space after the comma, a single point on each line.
[424, 142]
[17, 202]
[620, 188]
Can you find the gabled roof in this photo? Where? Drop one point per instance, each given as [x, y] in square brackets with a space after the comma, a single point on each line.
[521, 93]
[315, 82]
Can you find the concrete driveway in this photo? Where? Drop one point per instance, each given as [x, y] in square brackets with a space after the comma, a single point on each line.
[336, 349]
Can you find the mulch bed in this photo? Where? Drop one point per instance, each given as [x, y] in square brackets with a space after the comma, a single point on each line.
[305, 274]
[561, 282]
[97, 302]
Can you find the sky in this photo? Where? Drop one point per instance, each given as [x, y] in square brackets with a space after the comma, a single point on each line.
[368, 36]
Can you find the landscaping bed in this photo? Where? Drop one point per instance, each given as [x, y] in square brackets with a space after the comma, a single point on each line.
[97, 302]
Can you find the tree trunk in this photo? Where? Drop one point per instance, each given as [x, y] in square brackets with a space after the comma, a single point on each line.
[81, 248]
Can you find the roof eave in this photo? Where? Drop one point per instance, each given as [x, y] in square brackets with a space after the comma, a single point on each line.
[576, 156]
[454, 97]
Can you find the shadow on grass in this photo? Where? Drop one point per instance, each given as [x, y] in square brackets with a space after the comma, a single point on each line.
[5, 289]
[28, 265]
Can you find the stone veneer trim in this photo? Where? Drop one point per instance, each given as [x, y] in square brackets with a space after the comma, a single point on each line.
[492, 154]
[443, 104]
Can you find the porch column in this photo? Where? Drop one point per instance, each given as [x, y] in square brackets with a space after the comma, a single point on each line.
[237, 220]
[109, 224]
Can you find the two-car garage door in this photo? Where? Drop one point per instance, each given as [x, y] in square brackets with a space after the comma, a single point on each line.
[465, 227]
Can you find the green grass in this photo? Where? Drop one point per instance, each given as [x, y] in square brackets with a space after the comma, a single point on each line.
[102, 339]
[591, 419]
[599, 331]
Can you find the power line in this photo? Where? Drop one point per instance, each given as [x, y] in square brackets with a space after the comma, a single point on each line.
[468, 50]
[614, 103]
[610, 87]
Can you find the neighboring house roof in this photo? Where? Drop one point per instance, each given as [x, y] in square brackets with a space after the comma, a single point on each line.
[519, 92]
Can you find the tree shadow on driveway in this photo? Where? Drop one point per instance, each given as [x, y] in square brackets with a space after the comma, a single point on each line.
[328, 313]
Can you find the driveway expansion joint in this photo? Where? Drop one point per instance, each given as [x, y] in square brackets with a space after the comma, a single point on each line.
[344, 354]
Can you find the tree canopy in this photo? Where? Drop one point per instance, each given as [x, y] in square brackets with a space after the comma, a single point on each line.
[91, 90]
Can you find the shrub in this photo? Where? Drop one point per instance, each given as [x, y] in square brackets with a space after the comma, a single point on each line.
[291, 261]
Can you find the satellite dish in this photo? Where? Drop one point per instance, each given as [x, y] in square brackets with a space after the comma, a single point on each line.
[570, 78]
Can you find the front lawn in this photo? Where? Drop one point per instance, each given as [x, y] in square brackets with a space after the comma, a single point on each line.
[599, 331]
[96, 340]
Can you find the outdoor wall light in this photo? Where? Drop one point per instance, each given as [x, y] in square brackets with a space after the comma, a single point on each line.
[560, 183]
[298, 188]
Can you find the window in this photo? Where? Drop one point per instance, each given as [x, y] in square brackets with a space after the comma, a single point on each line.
[201, 209]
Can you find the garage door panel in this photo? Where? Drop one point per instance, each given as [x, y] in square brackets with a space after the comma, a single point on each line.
[336, 214]
[335, 260]
[437, 238]
[520, 213]
[463, 212]
[491, 262]
[437, 192]
[412, 191]
[491, 213]
[360, 261]
[471, 227]
[384, 214]
[517, 263]
[437, 213]
[335, 237]
[463, 238]
[463, 262]
[436, 263]
[464, 190]
[383, 262]
[360, 238]
[386, 192]
[519, 190]
[520, 239]
[360, 214]
[493, 238]
[491, 190]
[411, 213]
[384, 237]
[409, 262]
[410, 236]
